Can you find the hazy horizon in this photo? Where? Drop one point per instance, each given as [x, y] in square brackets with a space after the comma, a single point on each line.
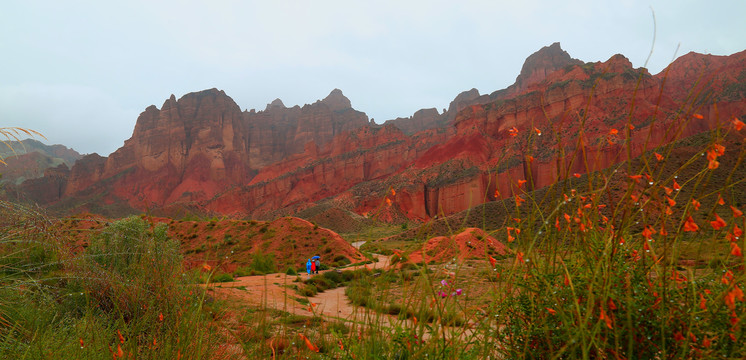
[80, 72]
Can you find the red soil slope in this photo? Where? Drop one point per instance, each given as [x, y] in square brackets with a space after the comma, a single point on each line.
[472, 243]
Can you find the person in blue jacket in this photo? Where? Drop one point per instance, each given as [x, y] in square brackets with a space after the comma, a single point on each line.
[308, 267]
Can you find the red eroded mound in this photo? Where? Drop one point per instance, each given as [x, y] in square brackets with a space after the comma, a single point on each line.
[230, 244]
[472, 243]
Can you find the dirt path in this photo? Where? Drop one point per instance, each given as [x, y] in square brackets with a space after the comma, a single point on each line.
[275, 291]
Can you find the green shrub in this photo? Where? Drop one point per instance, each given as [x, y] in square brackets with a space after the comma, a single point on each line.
[263, 263]
[219, 278]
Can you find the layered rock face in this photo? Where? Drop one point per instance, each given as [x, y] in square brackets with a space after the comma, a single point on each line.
[202, 153]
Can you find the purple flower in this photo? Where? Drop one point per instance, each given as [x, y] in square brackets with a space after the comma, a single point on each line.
[444, 282]
[458, 291]
[442, 293]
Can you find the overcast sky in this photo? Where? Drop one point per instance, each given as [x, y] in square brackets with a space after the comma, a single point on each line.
[81, 72]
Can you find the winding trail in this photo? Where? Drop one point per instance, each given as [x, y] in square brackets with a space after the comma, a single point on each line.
[274, 291]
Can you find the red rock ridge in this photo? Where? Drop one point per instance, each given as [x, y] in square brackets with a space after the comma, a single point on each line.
[201, 152]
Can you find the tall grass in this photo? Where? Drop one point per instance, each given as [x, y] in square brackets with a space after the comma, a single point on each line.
[126, 295]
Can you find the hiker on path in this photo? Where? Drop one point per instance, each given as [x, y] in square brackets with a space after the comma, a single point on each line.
[308, 267]
[314, 270]
[317, 264]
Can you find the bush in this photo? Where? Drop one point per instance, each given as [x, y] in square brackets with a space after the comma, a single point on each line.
[128, 266]
[263, 263]
[291, 271]
[220, 278]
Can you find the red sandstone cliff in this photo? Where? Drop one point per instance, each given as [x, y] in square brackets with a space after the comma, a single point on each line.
[202, 153]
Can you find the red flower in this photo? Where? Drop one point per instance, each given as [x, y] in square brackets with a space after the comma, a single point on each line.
[690, 225]
[737, 124]
[702, 302]
[718, 223]
[696, 204]
[671, 202]
[736, 212]
[735, 250]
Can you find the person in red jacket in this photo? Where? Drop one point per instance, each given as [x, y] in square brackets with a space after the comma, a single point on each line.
[313, 267]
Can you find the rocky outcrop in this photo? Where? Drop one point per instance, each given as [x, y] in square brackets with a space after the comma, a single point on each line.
[562, 117]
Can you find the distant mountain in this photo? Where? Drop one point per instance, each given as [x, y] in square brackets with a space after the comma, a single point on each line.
[28, 159]
[200, 153]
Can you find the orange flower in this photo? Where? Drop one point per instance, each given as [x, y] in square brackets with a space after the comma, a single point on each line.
[567, 280]
[690, 225]
[631, 127]
[663, 231]
[613, 131]
[605, 318]
[530, 159]
[735, 250]
[521, 182]
[538, 132]
[567, 218]
[636, 178]
[668, 190]
[577, 175]
[206, 267]
[510, 238]
[668, 211]
[737, 124]
[309, 344]
[720, 200]
[732, 296]
[81, 343]
[557, 224]
[611, 304]
[718, 223]
[676, 185]
[121, 338]
[393, 192]
[497, 194]
[713, 164]
[551, 311]
[648, 232]
[513, 132]
[388, 202]
[659, 157]
[698, 116]
[719, 149]
[493, 261]
[120, 353]
[702, 302]
[519, 257]
[518, 200]
[671, 202]
[737, 232]
[736, 212]
[160, 317]
[706, 343]
[696, 204]
[727, 277]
